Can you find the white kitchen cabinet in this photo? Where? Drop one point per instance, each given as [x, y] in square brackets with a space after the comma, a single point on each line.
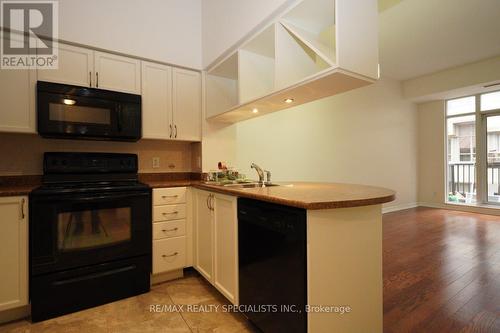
[17, 93]
[14, 252]
[204, 239]
[216, 230]
[171, 103]
[84, 67]
[226, 245]
[75, 67]
[186, 111]
[117, 73]
[156, 101]
[171, 230]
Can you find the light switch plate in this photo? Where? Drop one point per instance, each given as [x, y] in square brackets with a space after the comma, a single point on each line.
[156, 162]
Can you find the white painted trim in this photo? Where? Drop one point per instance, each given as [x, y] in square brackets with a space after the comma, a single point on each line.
[489, 210]
[395, 208]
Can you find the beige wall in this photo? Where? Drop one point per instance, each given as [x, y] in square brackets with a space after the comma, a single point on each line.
[431, 152]
[453, 82]
[365, 136]
[22, 154]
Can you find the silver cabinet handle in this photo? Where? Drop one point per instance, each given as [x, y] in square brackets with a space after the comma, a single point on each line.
[175, 126]
[167, 230]
[97, 79]
[165, 213]
[169, 196]
[170, 255]
[23, 201]
[170, 130]
[90, 79]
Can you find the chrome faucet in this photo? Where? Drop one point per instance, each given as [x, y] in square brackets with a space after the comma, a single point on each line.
[260, 172]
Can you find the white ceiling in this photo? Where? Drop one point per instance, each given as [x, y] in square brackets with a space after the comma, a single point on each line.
[419, 37]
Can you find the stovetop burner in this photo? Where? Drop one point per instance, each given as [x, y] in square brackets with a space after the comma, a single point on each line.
[89, 172]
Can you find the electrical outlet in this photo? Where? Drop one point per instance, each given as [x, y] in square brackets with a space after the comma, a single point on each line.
[156, 162]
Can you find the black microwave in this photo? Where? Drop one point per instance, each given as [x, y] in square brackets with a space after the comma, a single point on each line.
[73, 112]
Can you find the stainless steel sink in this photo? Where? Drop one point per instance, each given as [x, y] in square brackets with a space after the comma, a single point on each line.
[250, 185]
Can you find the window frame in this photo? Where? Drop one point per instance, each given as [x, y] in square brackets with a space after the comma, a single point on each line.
[481, 135]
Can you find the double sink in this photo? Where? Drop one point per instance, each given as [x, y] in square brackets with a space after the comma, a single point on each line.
[243, 185]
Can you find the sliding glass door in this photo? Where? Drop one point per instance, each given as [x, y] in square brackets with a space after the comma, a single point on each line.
[490, 114]
[473, 149]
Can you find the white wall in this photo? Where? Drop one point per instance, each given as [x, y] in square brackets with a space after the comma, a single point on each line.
[225, 22]
[431, 152]
[365, 136]
[163, 30]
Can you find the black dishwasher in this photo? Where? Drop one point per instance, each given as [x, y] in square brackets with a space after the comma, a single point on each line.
[272, 265]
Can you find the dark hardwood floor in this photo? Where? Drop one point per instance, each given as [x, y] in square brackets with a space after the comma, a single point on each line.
[441, 271]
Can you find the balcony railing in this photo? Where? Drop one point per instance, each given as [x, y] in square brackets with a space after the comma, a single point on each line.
[462, 178]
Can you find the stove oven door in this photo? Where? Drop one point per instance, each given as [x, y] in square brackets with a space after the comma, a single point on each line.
[76, 230]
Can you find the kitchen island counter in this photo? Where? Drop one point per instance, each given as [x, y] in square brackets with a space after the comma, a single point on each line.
[310, 196]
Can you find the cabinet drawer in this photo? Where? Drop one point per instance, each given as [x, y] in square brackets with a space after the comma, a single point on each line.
[169, 254]
[169, 229]
[167, 196]
[169, 212]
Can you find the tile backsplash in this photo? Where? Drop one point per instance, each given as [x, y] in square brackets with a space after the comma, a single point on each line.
[22, 154]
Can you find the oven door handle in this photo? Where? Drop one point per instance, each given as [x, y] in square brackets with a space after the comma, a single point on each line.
[86, 198]
[113, 196]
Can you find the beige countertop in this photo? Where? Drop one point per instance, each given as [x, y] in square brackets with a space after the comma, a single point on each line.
[310, 195]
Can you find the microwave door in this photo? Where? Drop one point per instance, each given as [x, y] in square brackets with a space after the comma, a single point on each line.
[76, 116]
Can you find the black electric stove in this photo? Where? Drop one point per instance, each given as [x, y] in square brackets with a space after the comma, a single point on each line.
[90, 233]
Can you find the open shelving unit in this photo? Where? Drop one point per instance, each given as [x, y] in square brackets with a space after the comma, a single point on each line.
[257, 66]
[222, 86]
[301, 55]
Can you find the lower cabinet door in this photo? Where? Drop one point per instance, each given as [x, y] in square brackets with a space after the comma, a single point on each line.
[14, 252]
[169, 254]
[203, 234]
[226, 246]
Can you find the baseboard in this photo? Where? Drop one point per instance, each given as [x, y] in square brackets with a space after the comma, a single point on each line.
[167, 276]
[14, 314]
[462, 208]
[395, 208]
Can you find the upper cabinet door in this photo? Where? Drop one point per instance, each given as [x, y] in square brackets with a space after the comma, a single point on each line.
[117, 73]
[17, 96]
[76, 67]
[156, 101]
[186, 104]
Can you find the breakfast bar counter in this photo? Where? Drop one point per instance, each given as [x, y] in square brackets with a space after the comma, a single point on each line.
[310, 196]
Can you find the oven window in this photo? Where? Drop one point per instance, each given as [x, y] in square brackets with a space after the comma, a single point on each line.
[79, 114]
[93, 228]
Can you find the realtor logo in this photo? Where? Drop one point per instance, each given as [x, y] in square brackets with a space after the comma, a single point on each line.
[29, 34]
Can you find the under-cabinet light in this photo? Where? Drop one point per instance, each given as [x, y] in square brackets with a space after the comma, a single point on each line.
[255, 110]
[289, 100]
[69, 101]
